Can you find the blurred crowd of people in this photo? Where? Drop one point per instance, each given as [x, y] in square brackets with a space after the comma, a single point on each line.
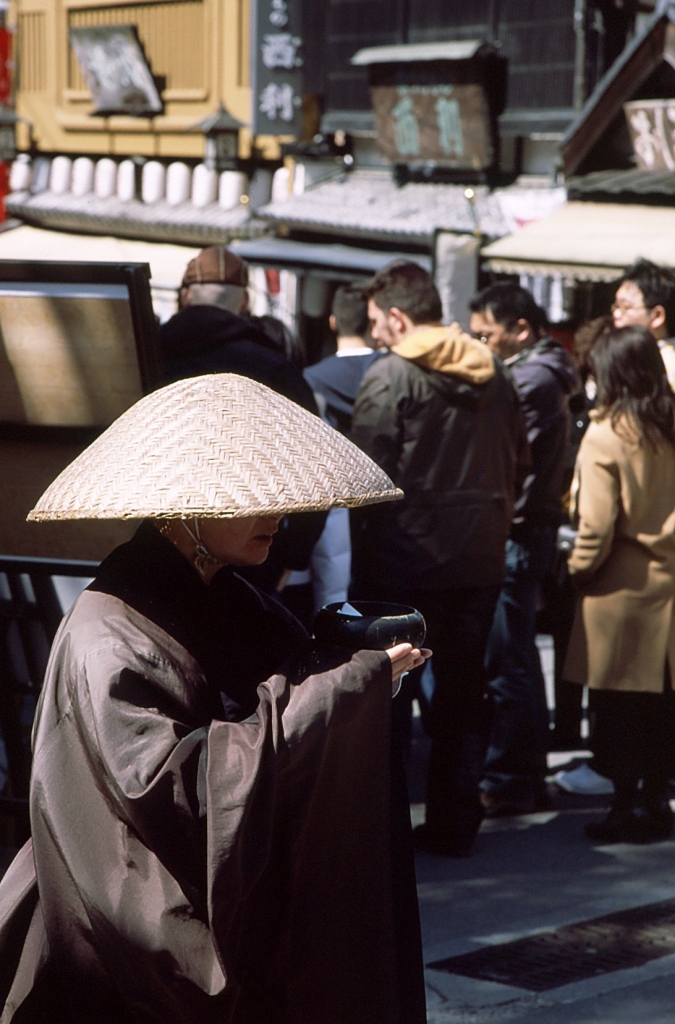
[481, 431]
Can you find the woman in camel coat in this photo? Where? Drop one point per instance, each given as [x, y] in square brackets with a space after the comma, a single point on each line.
[623, 560]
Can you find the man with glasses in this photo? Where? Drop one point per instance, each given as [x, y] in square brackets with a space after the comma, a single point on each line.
[508, 321]
[645, 297]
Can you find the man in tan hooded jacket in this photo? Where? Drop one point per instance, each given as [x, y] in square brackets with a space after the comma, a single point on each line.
[442, 418]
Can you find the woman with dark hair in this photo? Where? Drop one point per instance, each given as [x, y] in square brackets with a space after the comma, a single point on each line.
[623, 559]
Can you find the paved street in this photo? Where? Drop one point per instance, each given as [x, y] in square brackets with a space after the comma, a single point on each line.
[530, 874]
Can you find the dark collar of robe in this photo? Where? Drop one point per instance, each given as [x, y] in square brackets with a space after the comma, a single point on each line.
[238, 634]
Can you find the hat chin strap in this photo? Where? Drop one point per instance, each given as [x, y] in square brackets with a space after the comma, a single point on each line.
[202, 558]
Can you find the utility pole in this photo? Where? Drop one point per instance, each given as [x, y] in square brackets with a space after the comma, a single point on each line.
[579, 91]
[493, 20]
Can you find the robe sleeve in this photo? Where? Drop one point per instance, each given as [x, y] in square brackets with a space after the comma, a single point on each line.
[183, 784]
[300, 860]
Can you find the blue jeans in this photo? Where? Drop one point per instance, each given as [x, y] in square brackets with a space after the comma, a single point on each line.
[515, 764]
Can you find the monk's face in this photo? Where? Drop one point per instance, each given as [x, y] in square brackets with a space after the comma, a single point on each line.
[239, 541]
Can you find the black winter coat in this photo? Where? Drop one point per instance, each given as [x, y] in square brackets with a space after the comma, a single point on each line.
[207, 339]
[453, 438]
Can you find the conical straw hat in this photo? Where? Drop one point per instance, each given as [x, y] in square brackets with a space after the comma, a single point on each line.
[214, 446]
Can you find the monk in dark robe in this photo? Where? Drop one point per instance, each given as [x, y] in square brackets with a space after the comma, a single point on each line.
[215, 832]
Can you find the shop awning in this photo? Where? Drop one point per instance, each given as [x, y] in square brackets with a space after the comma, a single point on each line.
[167, 262]
[587, 242]
[324, 259]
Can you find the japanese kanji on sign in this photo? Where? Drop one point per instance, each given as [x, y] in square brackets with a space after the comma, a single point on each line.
[277, 67]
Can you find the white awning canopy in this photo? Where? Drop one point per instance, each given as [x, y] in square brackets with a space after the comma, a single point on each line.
[587, 242]
[167, 262]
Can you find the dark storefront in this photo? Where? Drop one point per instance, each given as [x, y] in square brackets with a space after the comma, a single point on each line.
[557, 50]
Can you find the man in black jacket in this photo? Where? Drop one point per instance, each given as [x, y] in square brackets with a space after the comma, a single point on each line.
[212, 334]
[441, 417]
[507, 319]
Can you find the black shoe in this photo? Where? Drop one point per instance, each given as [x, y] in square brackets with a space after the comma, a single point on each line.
[632, 825]
[445, 846]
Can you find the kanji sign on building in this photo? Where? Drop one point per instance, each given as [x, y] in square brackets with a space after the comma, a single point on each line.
[277, 63]
[652, 127]
[116, 71]
[437, 103]
[449, 124]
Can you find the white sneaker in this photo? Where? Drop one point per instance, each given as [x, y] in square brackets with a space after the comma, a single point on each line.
[585, 781]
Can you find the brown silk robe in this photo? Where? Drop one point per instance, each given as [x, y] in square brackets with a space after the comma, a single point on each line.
[188, 869]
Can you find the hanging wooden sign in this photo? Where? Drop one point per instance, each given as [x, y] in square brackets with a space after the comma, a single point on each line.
[651, 124]
[446, 124]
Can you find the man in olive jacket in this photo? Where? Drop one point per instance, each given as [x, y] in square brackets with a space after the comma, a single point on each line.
[441, 417]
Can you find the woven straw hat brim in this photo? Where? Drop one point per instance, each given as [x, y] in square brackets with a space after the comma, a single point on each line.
[219, 446]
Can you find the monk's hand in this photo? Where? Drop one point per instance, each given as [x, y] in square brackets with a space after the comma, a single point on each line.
[405, 657]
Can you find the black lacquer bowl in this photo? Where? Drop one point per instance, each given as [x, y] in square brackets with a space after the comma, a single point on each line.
[378, 627]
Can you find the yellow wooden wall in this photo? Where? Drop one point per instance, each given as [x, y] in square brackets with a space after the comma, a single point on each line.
[201, 46]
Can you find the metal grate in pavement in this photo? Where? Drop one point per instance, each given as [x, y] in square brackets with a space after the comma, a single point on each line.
[575, 952]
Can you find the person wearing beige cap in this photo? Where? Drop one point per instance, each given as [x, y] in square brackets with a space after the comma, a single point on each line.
[217, 277]
[213, 331]
[215, 834]
[211, 334]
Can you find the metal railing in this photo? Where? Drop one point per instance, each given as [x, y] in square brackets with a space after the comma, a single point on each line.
[33, 601]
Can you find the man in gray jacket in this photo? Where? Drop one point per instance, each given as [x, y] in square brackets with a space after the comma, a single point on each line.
[441, 417]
